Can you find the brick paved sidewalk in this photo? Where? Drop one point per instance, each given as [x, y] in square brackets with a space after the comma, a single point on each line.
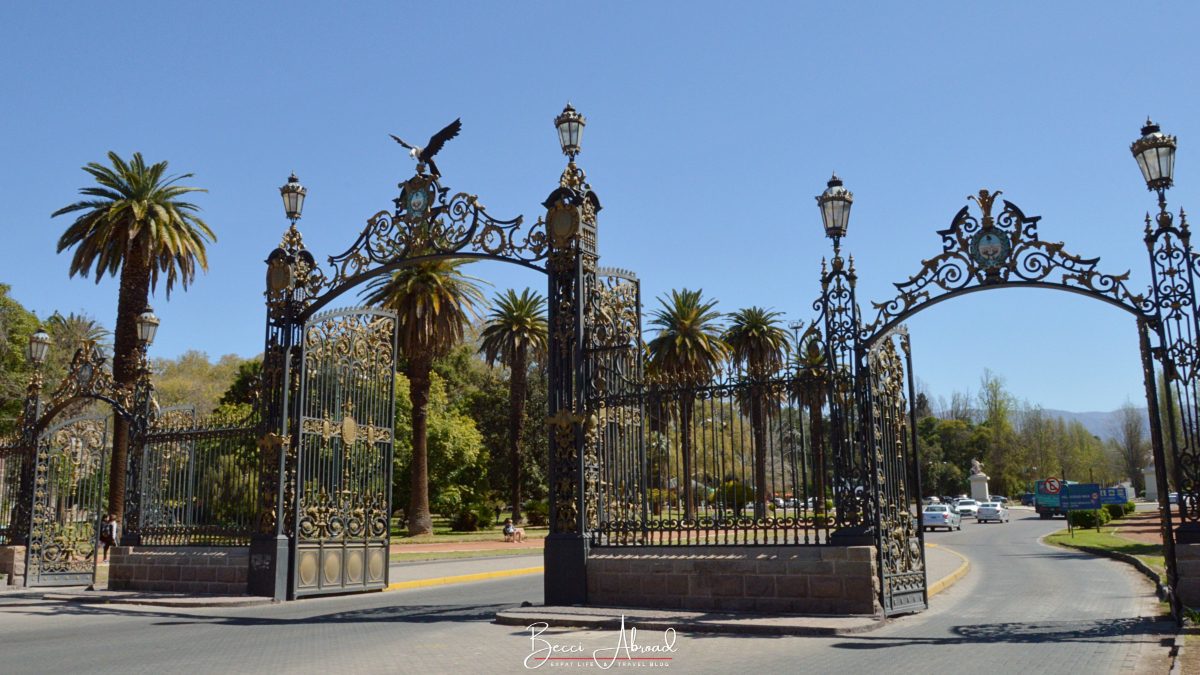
[1143, 527]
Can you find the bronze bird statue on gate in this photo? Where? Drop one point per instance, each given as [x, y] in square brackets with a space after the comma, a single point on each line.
[425, 155]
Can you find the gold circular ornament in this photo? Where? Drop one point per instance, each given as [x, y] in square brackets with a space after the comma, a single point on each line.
[349, 430]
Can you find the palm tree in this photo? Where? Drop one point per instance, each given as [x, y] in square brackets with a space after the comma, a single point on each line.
[516, 330]
[434, 302]
[758, 342]
[686, 353]
[811, 386]
[135, 222]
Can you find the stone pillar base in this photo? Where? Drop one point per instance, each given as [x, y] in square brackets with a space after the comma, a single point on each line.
[979, 487]
[1187, 556]
[12, 564]
[776, 579]
[207, 570]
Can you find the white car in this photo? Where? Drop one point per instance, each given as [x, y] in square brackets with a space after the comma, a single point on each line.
[992, 511]
[967, 507]
[940, 515]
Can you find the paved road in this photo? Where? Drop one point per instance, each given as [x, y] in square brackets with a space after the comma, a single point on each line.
[1023, 608]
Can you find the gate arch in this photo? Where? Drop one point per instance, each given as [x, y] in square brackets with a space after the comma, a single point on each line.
[428, 223]
[1005, 251]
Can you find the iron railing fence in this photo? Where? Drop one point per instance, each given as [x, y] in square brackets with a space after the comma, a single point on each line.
[730, 462]
[200, 481]
[13, 459]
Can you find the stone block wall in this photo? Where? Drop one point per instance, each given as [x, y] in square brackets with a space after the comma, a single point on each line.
[12, 564]
[184, 569]
[776, 579]
[1187, 556]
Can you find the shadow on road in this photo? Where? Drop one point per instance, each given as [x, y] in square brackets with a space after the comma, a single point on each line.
[1035, 632]
[391, 613]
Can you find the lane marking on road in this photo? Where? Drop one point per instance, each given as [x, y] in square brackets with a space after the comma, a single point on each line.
[950, 579]
[463, 578]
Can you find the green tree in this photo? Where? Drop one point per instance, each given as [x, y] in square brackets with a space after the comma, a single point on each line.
[16, 325]
[515, 332]
[247, 384]
[456, 465]
[135, 222]
[758, 341]
[191, 379]
[434, 302]
[687, 352]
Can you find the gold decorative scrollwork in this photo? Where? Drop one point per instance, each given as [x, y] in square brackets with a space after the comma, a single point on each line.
[1004, 249]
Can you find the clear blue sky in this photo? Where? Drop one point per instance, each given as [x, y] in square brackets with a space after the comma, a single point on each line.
[710, 130]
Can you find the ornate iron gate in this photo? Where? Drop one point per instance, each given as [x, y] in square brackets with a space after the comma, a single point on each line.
[343, 463]
[888, 435]
[70, 484]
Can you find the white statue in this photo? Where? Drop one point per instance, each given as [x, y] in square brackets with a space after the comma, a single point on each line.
[976, 467]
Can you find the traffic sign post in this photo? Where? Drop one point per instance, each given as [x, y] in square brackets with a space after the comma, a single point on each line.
[1116, 495]
[1085, 496]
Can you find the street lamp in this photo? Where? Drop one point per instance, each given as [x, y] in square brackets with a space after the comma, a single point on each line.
[835, 204]
[147, 327]
[293, 198]
[39, 348]
[1155, 155]
[570, 126]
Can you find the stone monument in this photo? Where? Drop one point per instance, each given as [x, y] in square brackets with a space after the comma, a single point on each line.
[979, 482]
[1151, 483]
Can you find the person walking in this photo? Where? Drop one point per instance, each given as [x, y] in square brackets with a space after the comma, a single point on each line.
[108, 533]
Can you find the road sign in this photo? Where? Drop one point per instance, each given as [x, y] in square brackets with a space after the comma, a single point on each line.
[1052, 485]
[1116, 495]
[1081, 496]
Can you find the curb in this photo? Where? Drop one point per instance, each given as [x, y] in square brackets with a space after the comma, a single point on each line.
[462, 578]
[517, 617]
[952, 578]
[181, 602]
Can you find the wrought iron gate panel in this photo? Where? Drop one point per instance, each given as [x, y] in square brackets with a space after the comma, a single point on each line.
[343, 446]
[70, 485]
[901, 552]
[12, 508]
[615, 471]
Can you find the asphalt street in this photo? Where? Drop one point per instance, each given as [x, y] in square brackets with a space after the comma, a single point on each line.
[1024, 607]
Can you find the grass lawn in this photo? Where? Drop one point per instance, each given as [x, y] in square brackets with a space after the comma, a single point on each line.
[442, 534]
[451, 555]
[1151, 554]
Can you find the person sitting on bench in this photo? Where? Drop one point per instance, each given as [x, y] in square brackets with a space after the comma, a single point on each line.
[512, 532]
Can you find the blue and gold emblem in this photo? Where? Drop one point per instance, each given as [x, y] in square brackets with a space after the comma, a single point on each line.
[990, 249]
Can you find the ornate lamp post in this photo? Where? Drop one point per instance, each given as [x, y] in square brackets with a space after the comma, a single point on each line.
[39, 347]
[147, 327]
[571, 228]
[570, 126]
[835, 203]
[293, 194]
[1155, 155]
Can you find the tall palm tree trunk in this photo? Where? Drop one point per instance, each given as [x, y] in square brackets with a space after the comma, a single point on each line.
[419, 519]
[685, 446]
[516, 423]
[759, 427]
[816, 432]
[131, 302]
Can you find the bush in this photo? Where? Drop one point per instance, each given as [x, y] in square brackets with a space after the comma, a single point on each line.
[1089, 518]
[537, 512]
[472, 513]
[1129, 507]
[1115, 511]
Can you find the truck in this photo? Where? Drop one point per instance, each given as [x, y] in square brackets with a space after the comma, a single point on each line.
[1049, 504]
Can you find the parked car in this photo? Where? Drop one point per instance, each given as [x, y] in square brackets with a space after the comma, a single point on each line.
[940, 515]
[1027, 499]
[992, 511]
[998, 498]
[932, 500]
[967, 507]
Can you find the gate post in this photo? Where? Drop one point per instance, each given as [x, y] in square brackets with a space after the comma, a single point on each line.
[571, 225]
[20, 522]
[288, 267]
